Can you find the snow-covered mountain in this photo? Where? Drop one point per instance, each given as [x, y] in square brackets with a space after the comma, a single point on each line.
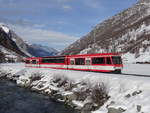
[12, 46]
[39, 50]
[127, 32]
[9, 48]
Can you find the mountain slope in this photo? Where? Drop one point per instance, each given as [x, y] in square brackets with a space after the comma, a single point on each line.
[13, 47]
[127, 32]
[6, 42]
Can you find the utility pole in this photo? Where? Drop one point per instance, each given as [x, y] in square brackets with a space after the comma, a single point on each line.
[94, 36]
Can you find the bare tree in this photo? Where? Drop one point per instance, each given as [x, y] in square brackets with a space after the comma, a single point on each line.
[2, 57]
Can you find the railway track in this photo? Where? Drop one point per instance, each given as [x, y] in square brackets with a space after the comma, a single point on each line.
[126, 74]
[139, 75]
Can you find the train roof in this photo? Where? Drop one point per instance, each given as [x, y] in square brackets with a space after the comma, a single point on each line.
[97, 54]
[45, 57]
[53, 56]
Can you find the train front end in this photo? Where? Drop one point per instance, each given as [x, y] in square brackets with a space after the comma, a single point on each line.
[117, 63]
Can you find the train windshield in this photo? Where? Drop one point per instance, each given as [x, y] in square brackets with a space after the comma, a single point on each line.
[116, 60]
[27, 61]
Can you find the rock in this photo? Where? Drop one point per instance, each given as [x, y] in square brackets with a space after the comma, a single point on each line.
[114, 110]
[111, 103]
[43, 89]
[88, 100]
[53, 92]
[128, 96]
[78, 107]
[138, 107]
[87, 108]
[58, 97]
[16, 76]
[23, 82]
[136, 93]
[71, 97]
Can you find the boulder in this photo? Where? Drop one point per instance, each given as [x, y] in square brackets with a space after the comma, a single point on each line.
[70, 97]
[114, 110]
[87, 108]
[138, 107]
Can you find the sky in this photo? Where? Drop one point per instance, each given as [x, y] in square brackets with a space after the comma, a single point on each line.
[57, 23]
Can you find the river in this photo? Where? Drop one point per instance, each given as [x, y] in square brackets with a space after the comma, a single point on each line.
[14, 99]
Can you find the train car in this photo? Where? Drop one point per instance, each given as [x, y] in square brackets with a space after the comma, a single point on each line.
[32, 62]
[106, 62]
[56, 62]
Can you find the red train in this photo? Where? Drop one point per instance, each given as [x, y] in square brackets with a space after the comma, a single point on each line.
[106, 62]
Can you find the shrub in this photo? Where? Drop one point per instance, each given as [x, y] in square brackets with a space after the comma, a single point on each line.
[82, 94]
[35, 76]
[63, 81]
[99, 94]
[69, 85]
[83, 91]
[56, 78]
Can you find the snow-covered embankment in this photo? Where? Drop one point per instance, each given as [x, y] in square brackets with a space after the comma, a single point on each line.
[87, 90]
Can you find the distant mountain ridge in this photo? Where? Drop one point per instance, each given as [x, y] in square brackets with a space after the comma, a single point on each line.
[39, 50]
[127, 32]
[12, 46]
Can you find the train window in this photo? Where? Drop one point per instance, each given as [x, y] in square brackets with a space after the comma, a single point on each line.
[116, 60]
[108, 60]
[99, 60]
[27, 61]
[60, 60]
[88, 62]
[53, 60]
[79, 61]
[72, 62]
[33, 61]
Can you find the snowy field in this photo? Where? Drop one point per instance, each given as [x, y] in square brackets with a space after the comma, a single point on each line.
[129, 93]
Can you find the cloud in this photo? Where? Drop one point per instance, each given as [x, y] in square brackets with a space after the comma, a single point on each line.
[93, 3]
[51, 38]
[31, 7]
[63, 1]
[66, 7]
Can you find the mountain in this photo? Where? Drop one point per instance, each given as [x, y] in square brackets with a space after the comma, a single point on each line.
[10, 40]
[13, 48]
[39, 50]
[127, 32]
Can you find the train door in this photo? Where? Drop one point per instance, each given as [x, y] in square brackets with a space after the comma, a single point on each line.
[37, 63]
[87, 63]
[66, 62]
[72, 63]
[108, 60]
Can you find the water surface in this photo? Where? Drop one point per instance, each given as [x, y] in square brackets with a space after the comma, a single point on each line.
[14, 99]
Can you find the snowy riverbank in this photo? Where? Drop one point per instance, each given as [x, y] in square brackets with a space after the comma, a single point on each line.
[121, 93]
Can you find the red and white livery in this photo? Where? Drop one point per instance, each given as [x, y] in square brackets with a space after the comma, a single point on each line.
[103, 62]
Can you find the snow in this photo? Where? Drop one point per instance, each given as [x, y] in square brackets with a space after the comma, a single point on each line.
[9, 53]
[84, 51]
[4, 27]
[125, 91]
[139, 69]
[128, 58]
[80, 104]
[21, 45]
[143, 56]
